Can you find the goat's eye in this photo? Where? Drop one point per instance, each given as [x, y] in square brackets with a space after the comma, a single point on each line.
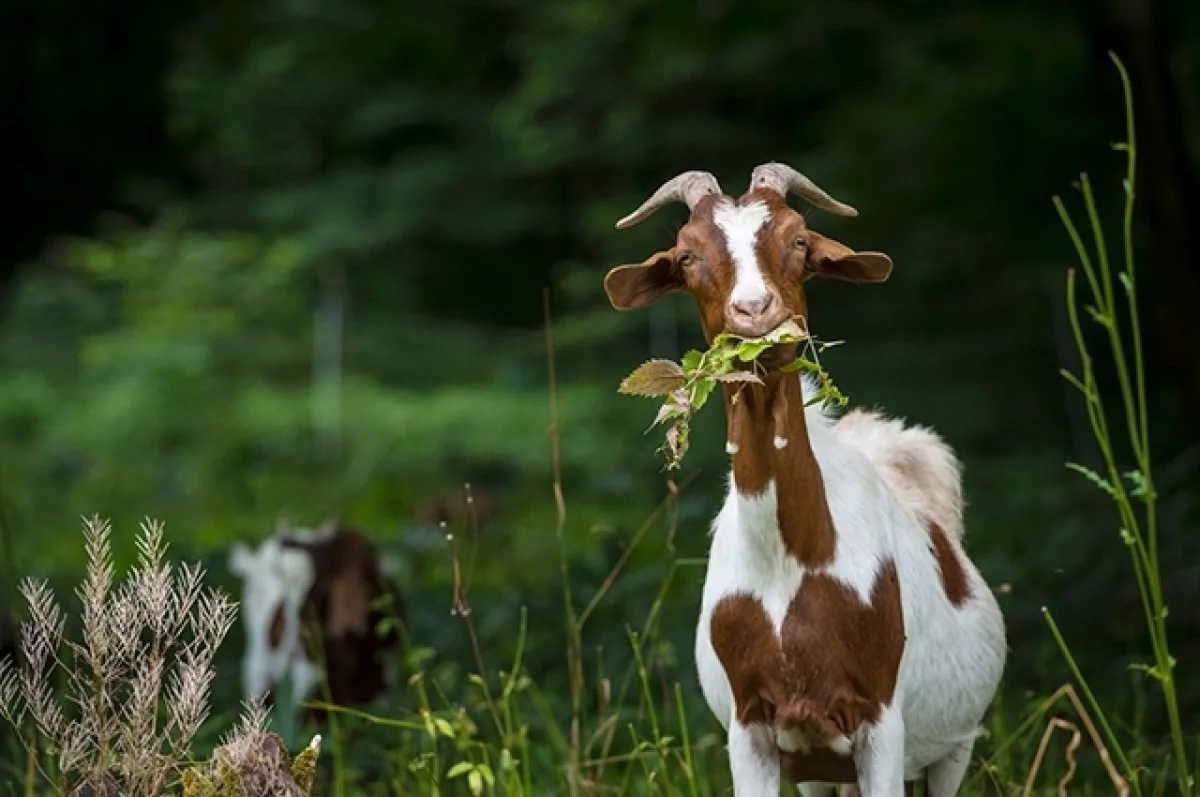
[800, 243]
[686, 259]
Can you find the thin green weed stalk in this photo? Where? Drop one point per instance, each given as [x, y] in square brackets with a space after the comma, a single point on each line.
[1132, 491]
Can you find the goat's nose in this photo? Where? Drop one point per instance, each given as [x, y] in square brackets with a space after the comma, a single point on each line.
[753, 308]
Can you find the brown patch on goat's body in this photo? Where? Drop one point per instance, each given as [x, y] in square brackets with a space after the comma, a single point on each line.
[340, 624]
[803, 513]
[954, 575]
[278, 625]
[832, 667]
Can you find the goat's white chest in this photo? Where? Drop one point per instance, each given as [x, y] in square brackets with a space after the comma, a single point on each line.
[746, 557]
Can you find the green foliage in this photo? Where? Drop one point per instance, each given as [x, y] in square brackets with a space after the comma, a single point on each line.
[730, 359]
[1137, 503]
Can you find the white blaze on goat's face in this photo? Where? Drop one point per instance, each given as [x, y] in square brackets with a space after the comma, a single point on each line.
[275, 581]
[741, 224]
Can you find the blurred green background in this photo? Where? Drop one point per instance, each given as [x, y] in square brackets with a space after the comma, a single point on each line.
[265, 256]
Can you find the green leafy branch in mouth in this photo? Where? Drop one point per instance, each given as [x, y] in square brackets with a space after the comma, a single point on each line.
[686, 386]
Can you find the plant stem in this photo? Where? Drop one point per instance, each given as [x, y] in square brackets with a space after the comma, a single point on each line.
[1142, 539]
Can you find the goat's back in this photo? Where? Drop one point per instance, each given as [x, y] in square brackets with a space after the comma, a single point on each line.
[916, 463]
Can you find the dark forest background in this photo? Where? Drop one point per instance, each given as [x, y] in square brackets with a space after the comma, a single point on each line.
[265, 256]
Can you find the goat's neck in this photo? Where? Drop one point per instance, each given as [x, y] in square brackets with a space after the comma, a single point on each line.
[768, 438]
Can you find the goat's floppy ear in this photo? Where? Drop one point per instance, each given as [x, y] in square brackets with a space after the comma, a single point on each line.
[349, 605]
[830, 258]
[641, 285]
[240, 559]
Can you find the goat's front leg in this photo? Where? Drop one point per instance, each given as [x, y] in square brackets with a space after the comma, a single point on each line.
[753, 760]
[879, 755]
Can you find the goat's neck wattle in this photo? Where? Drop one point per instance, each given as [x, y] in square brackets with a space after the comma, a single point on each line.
[768, 438]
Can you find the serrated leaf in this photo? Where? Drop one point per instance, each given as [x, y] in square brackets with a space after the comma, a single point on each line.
[787, 330]
[667, 410]
[751, 350]
[688, 385]
[700, 394]
[653, 378]
[721, 340]
[739, 376]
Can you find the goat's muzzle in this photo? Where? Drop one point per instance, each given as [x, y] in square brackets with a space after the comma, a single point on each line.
[757, 317]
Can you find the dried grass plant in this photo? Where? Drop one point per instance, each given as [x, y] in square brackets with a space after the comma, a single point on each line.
[136, 686]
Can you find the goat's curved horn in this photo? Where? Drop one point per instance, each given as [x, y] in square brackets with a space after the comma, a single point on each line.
[689, 188]
[781, 178]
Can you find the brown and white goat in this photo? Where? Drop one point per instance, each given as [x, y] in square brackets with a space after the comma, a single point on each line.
[315, 586]
[844, 635]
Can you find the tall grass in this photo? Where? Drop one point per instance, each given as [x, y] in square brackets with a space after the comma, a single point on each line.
[1132, 491]
[116, 712]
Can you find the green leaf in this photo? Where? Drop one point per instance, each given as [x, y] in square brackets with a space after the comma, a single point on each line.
[1093, 477]
[721, 340]
[1138, 481]
[653, 378]
[461, 768]
[750, 351]
[701, 393]
[801, 365]
[688, 385]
